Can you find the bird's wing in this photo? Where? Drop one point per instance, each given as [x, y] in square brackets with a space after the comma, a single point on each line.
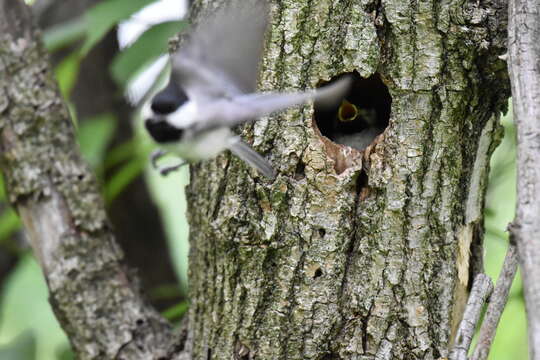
[250, 156]
[249, 107]
[221, 55]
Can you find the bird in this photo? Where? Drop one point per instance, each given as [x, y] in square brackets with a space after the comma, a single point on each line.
[354, 125]
[212, 89]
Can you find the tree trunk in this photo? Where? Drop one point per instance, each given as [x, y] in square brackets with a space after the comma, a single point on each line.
[523, 55]
[353, 254]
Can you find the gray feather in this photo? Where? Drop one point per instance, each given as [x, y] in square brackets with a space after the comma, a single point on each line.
[250, 107]
[260, 104]
[222, 54]
[250, 156]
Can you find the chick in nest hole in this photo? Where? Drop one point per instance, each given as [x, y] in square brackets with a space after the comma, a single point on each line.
[355, 126]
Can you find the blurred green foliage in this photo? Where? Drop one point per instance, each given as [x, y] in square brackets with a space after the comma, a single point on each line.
[28, 329]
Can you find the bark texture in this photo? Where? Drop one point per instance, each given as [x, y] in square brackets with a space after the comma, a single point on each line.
[371, 260]
[523, 56]
[93, 294]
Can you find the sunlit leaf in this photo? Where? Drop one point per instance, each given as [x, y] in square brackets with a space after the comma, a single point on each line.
[67, 72]
[149, 46]
[105, 15]
[176, 311]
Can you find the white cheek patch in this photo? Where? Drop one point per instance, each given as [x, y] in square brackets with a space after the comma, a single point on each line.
[146, 111]
[184, 116]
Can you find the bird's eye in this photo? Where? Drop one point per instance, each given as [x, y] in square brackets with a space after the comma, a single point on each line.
[168, 100]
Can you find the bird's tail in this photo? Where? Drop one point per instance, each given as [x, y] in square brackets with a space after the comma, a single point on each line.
[250, 156]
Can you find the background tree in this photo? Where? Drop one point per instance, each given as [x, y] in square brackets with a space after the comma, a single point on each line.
[524, 52]
[95, 96]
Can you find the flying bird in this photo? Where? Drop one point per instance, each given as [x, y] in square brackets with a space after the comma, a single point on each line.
[212, 89]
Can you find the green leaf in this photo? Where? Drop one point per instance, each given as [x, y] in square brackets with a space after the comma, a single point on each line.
[120, 153]
[67, 72]
[94, 136]
[149, 46]
[23, 347]
[62, 35]
[105, 15]
[176, 311]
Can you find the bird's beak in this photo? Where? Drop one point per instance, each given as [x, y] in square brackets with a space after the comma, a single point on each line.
[347, 112]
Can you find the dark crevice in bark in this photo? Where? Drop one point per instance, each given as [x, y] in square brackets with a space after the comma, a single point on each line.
[299, 172]
[221, 190]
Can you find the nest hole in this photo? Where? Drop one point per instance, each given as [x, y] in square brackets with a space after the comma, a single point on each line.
[299, 172]
[358, 118]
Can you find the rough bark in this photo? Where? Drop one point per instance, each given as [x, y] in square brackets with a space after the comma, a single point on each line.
[370, 261]
[92, 293]
[523, 55]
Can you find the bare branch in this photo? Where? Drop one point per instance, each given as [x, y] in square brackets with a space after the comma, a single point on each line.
[481, 289]
[523, 55]
[497, 302]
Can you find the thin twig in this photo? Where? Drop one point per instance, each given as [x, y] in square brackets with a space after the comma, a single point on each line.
[481, 289]
[496, 305]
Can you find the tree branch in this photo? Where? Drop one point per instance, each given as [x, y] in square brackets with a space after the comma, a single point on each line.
[91, 291]
[481, 289]
[497, 302]
[523, 55]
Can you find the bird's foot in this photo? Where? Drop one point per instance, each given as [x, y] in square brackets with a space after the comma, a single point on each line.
[155, 156]
[164, 171]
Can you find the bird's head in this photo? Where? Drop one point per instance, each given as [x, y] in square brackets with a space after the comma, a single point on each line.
[159, 120]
